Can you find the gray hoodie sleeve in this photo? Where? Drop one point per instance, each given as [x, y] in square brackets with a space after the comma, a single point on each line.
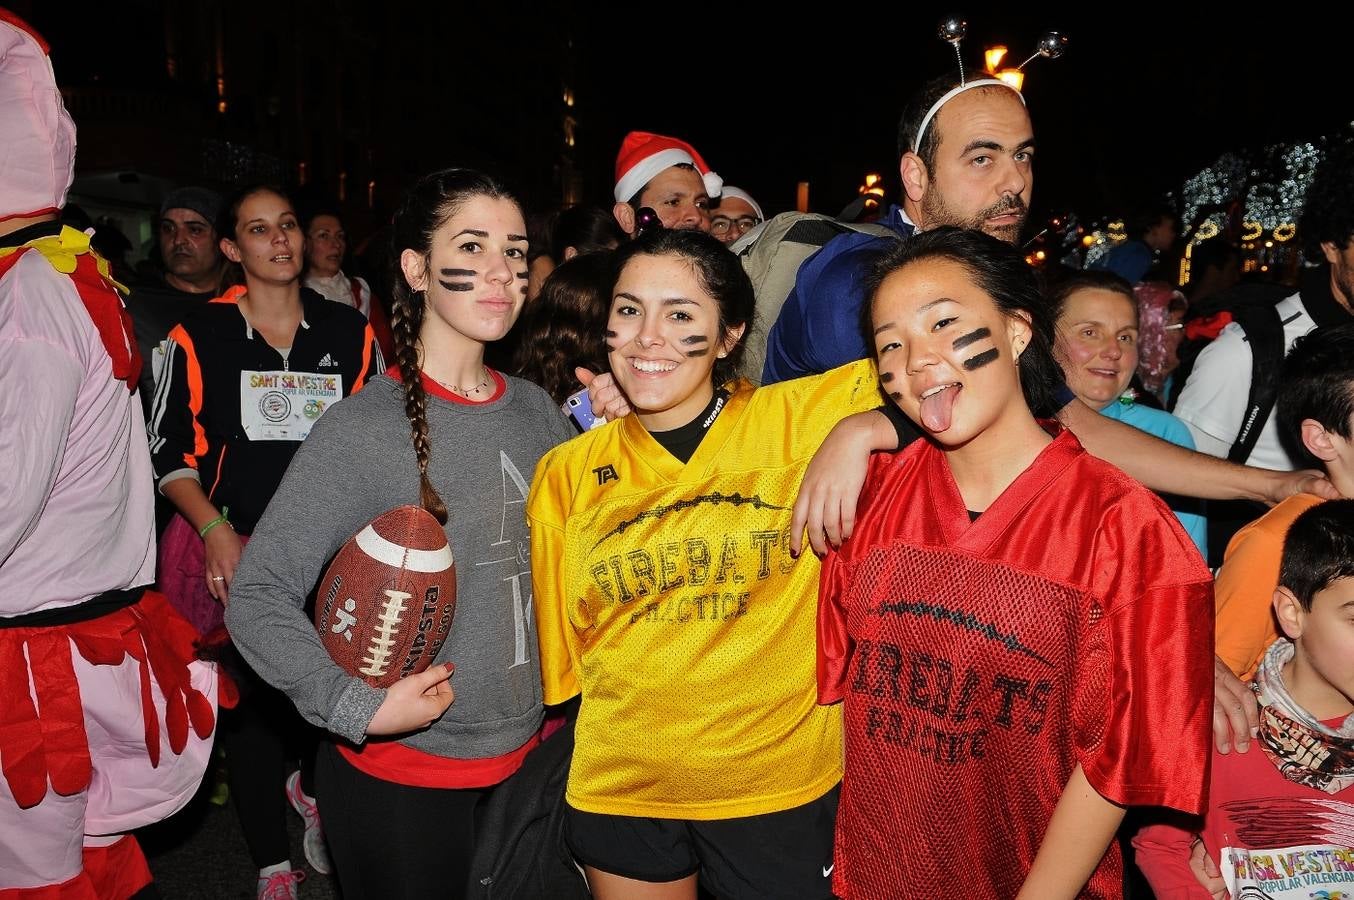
[319, 505]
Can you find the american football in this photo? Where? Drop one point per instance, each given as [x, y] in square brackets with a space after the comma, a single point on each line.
[386, 602]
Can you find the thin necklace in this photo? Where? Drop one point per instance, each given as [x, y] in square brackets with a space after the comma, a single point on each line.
[466, 391]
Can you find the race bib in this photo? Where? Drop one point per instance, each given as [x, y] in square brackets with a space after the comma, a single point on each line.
[284, 406]
[1308, 872]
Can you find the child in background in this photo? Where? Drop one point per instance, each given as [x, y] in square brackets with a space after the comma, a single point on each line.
[1280, 824]
[1315, 409]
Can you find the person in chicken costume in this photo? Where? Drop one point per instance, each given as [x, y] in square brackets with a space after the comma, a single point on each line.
[106, 718]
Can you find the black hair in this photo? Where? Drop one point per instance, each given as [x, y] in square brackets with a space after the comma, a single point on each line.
[1214, 253]
[1145, 218]
[314, 212]
[1328, 209]
[1317, 382]
[915, 110]
[1082, 280]
[228, 219]
[1000, 271]
[720, 274]
[562, 328]
[540, 225]
[585, 228]
[634, 201]
[426, 207]
[1318, 550]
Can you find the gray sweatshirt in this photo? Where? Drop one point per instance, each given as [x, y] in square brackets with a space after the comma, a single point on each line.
[359, 462]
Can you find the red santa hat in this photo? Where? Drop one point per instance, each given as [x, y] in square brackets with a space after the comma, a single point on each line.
[38, 164]
[643, 155]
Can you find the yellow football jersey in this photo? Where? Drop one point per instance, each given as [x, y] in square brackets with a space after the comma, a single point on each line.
[666, 593]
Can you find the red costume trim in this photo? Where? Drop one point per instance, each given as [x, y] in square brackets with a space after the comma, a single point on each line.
[52, 747]
[115, 872]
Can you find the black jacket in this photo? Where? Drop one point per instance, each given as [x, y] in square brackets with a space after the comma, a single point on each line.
[198, 413]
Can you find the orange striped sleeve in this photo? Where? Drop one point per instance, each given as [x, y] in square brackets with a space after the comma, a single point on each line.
[368, 342]
[193, 366]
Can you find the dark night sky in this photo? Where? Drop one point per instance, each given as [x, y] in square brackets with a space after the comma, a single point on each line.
[1145, 96]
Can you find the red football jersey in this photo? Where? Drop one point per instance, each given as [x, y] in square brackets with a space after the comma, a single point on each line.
[981, 662]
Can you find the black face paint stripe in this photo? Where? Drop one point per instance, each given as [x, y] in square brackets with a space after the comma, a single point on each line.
[695, 339]
[885, 377]
[971, 338]
[693, 354]
[896, 396]
[522, 275]
[456, 273]
[982, 359]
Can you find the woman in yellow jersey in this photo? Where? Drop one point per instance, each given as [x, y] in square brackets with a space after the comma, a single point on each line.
[666, 594]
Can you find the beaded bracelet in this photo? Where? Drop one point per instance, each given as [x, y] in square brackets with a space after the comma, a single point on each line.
[219, 520]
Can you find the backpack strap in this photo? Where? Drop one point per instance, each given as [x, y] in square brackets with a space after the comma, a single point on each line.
[1263, 329]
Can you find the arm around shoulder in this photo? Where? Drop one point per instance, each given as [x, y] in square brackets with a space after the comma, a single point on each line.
[1170, 469]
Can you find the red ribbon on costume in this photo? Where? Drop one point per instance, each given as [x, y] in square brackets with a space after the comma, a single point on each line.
[106, 310]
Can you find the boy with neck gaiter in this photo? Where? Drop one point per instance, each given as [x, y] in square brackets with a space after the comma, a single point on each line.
[1280, 824]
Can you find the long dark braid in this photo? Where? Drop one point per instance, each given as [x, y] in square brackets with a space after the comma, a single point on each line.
[425, 208]
[405, 321]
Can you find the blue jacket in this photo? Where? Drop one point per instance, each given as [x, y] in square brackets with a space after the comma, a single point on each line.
[1130, 260]
[1167, 427]
[819, 325]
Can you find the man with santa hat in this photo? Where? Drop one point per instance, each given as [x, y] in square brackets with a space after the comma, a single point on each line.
[666, 175]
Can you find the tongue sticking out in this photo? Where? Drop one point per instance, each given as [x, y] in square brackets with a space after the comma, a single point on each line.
[937, 409]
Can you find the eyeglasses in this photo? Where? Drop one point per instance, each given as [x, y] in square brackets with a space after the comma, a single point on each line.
[743, 224]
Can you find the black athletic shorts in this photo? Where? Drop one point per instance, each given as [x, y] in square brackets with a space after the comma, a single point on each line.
[785, 855]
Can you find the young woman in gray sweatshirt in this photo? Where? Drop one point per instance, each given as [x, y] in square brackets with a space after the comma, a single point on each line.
[398, 783]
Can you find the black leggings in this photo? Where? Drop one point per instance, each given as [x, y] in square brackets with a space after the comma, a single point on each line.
[259, 735]
[393, 841]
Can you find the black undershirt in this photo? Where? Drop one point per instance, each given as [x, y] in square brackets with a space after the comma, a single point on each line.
[31, 233]
[682, 441]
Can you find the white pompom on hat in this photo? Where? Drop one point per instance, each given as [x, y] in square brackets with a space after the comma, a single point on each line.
[643, 155]
[38, 164]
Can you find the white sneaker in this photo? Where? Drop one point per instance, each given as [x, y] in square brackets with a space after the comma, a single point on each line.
[317, 854]
[280, 885]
